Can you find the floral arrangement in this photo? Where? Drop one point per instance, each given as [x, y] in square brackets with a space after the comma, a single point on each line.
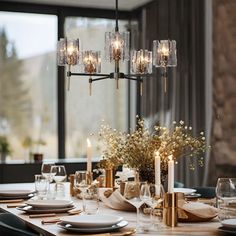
[137, 149]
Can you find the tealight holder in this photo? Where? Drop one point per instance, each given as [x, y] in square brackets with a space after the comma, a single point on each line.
[170, 209]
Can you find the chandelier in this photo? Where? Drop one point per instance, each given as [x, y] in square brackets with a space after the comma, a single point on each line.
[117, 50]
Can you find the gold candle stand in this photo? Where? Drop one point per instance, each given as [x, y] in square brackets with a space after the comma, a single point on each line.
[170, 209]
[109, 181]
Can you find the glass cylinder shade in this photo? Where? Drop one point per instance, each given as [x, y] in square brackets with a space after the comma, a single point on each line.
[91, 61]
[164, 53]
[67, 52]
[117, 46]
[141, 62]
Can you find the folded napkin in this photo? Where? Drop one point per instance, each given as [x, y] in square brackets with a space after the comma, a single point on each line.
[114, 200]
[195, 211]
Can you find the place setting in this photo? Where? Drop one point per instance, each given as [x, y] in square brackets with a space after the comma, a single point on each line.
[46, 206]
[99, 223]
[7, 196]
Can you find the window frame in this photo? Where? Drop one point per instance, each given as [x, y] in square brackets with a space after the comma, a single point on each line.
[62, 12]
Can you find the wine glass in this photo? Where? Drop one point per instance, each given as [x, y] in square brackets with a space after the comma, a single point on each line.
[145, 210]
[58, 174]
[226, 198]
[156, 203]
[46, 172]
[83, 182]
[132, 195]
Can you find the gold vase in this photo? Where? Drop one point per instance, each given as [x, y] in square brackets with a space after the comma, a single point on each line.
[109, 178]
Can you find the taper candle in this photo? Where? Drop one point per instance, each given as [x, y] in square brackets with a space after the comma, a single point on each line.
[89, 155]
[170, 174]
[157, 168]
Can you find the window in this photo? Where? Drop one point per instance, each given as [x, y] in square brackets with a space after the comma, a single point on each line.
[84, 113]
[28, 79]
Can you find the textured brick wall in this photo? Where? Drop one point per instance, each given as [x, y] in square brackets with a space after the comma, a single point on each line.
[223, 155]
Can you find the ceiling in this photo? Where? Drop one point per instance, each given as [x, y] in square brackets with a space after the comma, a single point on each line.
[126, 5]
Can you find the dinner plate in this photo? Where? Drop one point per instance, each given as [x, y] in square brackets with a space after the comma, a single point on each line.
[32, 210]
[229, 223]
[227, 231]
[50, 203]
[17, 197]
[98, 220]
[186, 191]
[69, 227]
[15, 193]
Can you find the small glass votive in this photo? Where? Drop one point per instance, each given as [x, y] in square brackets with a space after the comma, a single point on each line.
[92, 200]
[41, 186]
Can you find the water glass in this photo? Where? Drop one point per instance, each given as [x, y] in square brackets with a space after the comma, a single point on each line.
[226, 198]
[41, 186]
[58, 174]
[92, 200]
[83, 182]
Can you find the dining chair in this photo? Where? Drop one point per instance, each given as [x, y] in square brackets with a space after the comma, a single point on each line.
[206, 192]
[11, 225]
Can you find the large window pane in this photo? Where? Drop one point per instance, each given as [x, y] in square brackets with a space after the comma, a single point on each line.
[28, 76]
[83, 112]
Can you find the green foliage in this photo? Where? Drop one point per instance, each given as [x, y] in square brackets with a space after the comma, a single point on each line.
[14, 101]
[4, 145]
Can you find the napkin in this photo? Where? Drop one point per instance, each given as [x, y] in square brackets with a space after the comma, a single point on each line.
[195, 211]
[114, 200]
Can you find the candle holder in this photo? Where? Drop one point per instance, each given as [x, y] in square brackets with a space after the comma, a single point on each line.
[109, 175]
[170, 209]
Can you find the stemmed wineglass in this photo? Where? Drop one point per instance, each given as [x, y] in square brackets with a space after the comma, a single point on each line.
[83, 182]
[226, 198]
[46, 172]
[132, 195]
[156, 203]
[58, 173]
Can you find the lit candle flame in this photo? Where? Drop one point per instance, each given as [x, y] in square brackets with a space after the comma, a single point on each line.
[170, 157]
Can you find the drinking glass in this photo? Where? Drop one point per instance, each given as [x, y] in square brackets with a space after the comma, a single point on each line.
[58, 173]
[226, 198]
[132, 195]
[83, 182]
[145, 210]
[46, 172]
[41, 186]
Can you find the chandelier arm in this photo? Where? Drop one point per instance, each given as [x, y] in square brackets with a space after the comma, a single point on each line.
[138, 79]
[85, 74]
[102, 78]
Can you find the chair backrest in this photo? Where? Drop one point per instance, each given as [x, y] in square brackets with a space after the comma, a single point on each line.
[206, 192]
[11, 225]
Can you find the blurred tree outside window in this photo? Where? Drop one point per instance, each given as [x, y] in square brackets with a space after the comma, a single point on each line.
[28, 76]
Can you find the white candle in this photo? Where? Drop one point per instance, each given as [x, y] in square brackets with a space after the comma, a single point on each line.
[157, 168]
[89, 155]
[171, 174]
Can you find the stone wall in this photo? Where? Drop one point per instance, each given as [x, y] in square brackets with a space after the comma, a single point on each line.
[223, 153]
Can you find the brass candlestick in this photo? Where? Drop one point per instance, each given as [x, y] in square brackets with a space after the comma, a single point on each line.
[170, 213]
[109, 175]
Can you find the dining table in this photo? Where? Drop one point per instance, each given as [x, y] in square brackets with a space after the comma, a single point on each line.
[200, 228]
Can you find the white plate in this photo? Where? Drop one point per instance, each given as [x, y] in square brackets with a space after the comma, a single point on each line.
[69, 227]
[32, 210]
[49, 203]
[229, 223]
[98, 220]
[15, 193]
[186, 191]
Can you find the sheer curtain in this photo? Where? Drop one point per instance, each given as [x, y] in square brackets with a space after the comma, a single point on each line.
[183, 21]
